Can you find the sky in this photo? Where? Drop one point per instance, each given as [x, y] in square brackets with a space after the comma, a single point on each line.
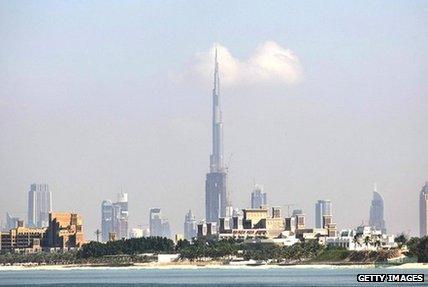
[320, 99]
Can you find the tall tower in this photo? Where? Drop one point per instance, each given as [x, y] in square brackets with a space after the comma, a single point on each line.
[322, 208]
[423, 211]
[258, 197]
[216, 197]
[376, 212]
[39, 205]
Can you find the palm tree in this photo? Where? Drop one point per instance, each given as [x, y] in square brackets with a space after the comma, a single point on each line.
[356, 241]
[367, 240]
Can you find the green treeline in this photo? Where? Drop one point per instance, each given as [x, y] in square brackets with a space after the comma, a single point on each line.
[129, 251]
[127, 246]
[258, 251]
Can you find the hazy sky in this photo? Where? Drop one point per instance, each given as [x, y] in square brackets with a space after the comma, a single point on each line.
[320, 100]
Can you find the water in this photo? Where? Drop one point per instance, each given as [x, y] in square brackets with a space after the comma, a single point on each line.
[251, 276]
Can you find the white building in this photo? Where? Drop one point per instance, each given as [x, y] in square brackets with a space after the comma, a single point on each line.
[362, 238]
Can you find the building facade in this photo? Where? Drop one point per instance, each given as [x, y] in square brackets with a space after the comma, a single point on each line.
[190, 229]
[322, 207]
[114, 218]
[377, 212]
[65, 231]
[39, 205]
[22, 239]
[159, 226]
[258, 197]
[106, 220]
[423, 211]
[216, 195]
[11, 221]
[255, 223]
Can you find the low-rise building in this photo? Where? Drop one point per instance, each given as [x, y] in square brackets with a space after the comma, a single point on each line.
[362, 238]
[65, 231]
[22, 239]
[207, 229]
[255, 223]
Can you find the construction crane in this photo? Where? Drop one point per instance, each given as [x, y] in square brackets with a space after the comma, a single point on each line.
[97, 233]
[288, 207]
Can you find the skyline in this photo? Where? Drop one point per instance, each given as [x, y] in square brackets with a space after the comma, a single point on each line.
[93, 105]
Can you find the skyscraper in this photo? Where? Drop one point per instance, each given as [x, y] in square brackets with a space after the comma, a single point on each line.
[423, 211]
[11, 221]
[158, 225]
[155, 222]
[39, 205]
[258, 197]
[120, 213]
[190, 228]
[376, 212]
[114, 217]
[322, 208]
[106, 219]
[216, 197]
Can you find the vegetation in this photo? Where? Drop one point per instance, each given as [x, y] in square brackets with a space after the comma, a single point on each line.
[129, 251]
[202, 249]
[333, 254]
[131, 246]
[418, 247]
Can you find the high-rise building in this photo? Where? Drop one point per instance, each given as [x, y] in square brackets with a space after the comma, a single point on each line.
[166, 229]
[322, 207]
[159, 226]
[376, 212]
[106, 219]
[258, 197]
[190, 228]
[114, 218]
[11, 221]
[121, 215]
[216, 196]
[155, 222]
[39, 205]
[423, 211]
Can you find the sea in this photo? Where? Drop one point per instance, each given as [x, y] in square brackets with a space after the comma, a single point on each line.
[248, 276]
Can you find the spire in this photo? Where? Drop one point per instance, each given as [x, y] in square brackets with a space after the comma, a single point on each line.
[216, 159]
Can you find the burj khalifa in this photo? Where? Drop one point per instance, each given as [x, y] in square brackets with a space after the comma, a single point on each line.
[216, 196]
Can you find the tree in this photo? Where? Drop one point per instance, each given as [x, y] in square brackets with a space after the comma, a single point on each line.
[367, 241]
[401, 239]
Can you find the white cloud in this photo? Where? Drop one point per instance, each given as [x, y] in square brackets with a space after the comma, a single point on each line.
[270, 63]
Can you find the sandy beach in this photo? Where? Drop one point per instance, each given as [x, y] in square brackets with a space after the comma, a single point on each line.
[209, 266]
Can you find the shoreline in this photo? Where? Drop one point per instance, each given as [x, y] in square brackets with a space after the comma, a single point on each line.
[216, 265]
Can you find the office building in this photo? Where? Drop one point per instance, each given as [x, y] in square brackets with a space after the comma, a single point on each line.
[11, 221]
[216, 196]
[159, 226]
[190, 229]
[114, 218]
[423, 211]
[121, 215]
[155, 222]
[258, 197]
[322, 207]
[376, 212]
[39, 205]
[106, 219]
